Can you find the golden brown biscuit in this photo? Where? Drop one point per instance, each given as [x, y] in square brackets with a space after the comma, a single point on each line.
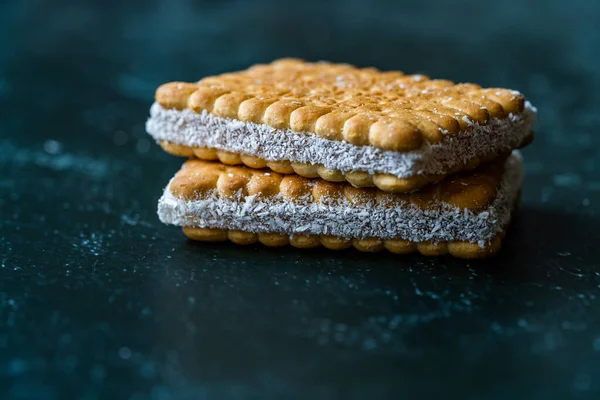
[459, 249]
[341, 123]
[464, 215]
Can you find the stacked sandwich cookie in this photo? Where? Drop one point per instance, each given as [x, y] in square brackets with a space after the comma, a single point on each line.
[313, 154]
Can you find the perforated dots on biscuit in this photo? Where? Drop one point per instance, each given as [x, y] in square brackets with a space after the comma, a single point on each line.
[386, 182]
[363, 106]
[197, 179]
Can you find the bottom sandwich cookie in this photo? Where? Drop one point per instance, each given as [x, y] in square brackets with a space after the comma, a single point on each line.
[465, 215]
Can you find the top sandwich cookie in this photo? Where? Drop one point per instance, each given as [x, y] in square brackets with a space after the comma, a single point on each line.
[386, 129]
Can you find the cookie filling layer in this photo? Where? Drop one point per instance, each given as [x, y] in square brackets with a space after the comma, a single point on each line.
[441, 222]
[192, 129]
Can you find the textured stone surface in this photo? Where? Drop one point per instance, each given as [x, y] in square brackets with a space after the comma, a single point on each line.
[99, 300]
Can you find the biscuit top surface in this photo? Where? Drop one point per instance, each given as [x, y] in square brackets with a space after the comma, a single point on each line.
[363, 106]
[199, 179]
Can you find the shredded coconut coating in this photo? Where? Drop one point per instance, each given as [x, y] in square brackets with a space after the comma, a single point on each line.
[362, 106]
[188, 128]
[439, 222]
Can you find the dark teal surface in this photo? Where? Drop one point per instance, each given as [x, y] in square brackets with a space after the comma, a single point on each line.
[99, 300]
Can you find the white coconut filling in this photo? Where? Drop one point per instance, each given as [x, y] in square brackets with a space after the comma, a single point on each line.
[206, 130]
[440, 223]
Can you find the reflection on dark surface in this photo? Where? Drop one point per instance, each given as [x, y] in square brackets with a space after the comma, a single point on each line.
[99, 300]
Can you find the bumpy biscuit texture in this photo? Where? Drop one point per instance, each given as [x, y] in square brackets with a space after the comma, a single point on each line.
[198, 179]
[472, 191]
[387, 110]
[459, 249]
[386, 182]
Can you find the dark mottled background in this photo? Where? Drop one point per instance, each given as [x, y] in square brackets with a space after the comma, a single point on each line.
[99, 300]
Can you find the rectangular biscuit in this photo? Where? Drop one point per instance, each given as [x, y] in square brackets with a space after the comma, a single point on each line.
[464, 215]
[341, 123]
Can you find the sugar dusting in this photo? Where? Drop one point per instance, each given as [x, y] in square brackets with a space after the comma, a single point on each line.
[442, 222]
[205, 130]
